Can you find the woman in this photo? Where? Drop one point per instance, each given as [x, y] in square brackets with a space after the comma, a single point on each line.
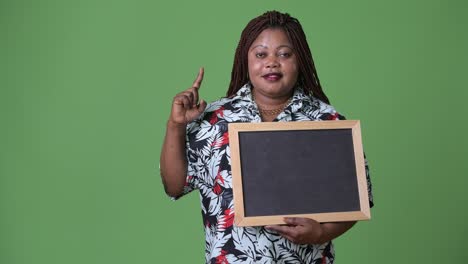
[273, 79]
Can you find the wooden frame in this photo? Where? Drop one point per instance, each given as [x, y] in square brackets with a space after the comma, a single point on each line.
[351, 127]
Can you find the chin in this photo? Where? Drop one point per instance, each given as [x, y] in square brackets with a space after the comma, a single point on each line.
[277, 89]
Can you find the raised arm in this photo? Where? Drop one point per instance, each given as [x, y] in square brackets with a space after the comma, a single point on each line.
[186, 107]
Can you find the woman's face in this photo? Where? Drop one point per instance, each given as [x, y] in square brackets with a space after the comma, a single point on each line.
[272, 62]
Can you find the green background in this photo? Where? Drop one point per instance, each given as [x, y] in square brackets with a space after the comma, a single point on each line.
[86, 88]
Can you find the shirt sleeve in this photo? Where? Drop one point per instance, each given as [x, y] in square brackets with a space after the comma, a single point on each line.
[369, 183]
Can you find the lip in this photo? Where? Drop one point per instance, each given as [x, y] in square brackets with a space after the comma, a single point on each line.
[272, 76]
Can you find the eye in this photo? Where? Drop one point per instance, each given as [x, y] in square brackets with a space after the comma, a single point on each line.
[285, 54]
[260, 54]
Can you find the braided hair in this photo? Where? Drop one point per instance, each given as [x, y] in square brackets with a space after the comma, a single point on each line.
[307, 78]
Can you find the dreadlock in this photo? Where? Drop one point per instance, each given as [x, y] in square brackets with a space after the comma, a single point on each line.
[307, 78]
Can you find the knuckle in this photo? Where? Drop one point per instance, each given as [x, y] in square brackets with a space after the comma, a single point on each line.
[178, 99]
[179, 96]
[186, 96]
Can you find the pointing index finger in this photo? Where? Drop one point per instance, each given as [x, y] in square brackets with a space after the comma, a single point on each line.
[198, 81]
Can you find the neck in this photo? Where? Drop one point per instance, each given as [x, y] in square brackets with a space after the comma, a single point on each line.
[270, 110]
[268, 102]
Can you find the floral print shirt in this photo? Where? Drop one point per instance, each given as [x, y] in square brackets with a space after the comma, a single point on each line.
[209, 171]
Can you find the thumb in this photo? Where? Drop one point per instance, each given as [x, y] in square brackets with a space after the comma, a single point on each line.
[201, 106]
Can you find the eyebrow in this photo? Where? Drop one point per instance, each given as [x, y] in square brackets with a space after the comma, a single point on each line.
[263, 46]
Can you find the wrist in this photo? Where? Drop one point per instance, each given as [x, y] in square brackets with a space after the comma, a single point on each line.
[323, 238]
[175, 125]
[324, 234]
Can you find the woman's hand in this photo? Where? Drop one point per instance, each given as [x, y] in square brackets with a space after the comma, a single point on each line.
[186, 106]
[308, 231]
[300, 230]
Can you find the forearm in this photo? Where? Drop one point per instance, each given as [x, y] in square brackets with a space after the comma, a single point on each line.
[334, 230]
[173, 161]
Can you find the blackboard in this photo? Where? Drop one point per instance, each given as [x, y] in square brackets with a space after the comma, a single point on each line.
[307, 169]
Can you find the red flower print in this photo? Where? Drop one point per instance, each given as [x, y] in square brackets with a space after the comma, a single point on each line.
[221, 259]
[229, 218]
[224, 140]
[217, 113]
[334, 116]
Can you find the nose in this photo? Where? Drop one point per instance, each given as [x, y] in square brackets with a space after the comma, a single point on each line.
[272, 62]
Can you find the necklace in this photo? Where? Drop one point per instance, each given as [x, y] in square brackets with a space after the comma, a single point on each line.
[270, 112]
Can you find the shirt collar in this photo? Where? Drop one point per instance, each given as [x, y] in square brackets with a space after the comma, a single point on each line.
[299, 98]
[244, 93]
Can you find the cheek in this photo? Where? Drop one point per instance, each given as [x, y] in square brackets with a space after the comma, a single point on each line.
[294, 70]
[254, 66]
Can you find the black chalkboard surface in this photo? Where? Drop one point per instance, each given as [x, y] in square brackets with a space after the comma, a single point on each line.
[307, 169]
